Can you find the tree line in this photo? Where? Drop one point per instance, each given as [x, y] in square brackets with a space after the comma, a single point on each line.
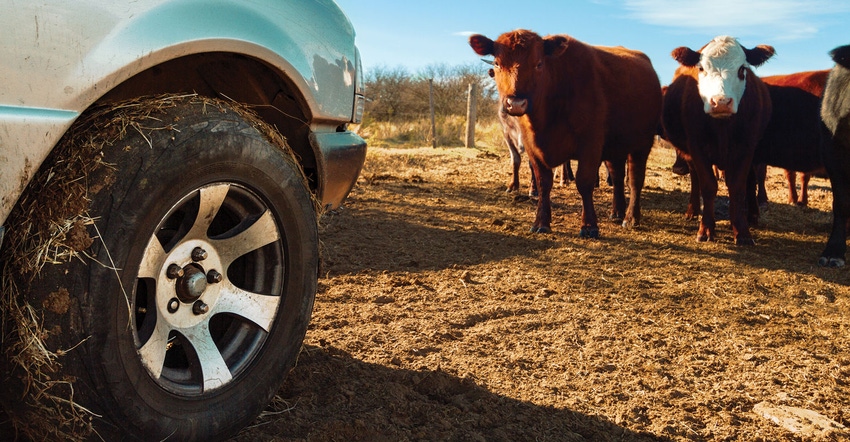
[397, 94]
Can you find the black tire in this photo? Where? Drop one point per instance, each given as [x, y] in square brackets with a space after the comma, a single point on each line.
[202, 353]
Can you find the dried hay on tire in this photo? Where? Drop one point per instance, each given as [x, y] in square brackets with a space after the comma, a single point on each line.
[48, 226]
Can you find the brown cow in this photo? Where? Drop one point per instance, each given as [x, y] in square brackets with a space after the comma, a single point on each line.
[715, 112]
[578, 101]
[795, 133]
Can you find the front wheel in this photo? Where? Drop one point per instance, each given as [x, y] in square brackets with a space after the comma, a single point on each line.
[202, 276]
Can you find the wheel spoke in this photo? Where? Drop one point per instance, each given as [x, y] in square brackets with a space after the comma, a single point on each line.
[152, 260]
[213, 368]
[262, 232]
[257, 308]
[211, 200]
[153, 351]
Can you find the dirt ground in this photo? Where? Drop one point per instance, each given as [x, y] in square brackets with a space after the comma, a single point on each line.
[439, 317]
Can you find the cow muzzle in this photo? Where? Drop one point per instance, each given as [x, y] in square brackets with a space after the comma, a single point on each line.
[515, 106]
[721, 107]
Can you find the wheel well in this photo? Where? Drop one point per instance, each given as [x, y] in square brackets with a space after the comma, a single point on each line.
[236, 77]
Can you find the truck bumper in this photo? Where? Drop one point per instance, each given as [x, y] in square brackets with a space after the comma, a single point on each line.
[340, 157]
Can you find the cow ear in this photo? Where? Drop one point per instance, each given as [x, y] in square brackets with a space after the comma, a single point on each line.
[686, 56]
[555, 45]
[841, 55]
[759, 54]
[481, 44]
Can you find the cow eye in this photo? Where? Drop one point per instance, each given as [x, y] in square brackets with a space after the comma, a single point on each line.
[539, 65]
[701, 69]
[742, 73]
[496, 64]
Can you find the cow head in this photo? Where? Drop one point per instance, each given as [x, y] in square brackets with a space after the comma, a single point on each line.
[519, 65]
[723, 68]
[841, 56]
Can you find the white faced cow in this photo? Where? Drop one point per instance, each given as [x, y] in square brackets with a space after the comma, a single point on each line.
[715, 112]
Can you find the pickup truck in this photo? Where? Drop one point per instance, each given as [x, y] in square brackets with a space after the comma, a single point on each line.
[163, 164]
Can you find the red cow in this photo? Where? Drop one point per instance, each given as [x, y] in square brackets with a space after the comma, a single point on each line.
[794, 134]
[835, 111]
[577, 101]
[715, 112]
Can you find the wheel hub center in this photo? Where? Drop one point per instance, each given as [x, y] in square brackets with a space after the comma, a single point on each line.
[192, 284]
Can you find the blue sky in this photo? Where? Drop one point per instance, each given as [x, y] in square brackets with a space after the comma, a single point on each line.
[419, 33]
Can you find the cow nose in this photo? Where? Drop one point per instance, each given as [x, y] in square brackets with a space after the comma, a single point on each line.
[721, 105]
[516, 106]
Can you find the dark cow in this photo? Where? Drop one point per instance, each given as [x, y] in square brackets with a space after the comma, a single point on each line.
[793, 138]
[577, 101]
[715, 112]
[835, 112]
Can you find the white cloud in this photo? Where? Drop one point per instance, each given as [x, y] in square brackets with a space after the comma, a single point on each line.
[781, 19]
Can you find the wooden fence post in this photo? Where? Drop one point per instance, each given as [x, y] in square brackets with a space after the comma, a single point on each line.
[471, 116]
[431, 104]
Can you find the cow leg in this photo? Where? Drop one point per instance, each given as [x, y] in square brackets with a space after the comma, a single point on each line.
[516, 160]
[618, 203]
[637, 175]
[837, 163]
[693, 210]
[543, 177]
[752, 206]
[791, 178]
[703, 178]
[586, 178]
[761, 191]
[565, 175]
[804, 189]
[736, 183]
[532, 192]
[680, 166]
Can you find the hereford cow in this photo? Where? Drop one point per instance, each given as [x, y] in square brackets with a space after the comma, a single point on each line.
[578, 101]
[715, 112]
[795, 133]
[835, 112]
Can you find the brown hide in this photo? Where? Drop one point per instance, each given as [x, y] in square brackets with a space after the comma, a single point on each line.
[812, 82]
[795, 134]
[583, 102]
[728, 143]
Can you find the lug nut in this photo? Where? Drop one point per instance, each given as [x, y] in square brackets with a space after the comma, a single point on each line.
[199, 254]
[200, 308]
[174, 271]
[173, 305]
[214, 277]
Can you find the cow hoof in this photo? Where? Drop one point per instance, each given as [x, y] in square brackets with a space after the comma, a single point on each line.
[617, 219]
[589, 232]
[831, 262]
[745, 242]
[703, 238]
[541, 229]
[630, 223]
